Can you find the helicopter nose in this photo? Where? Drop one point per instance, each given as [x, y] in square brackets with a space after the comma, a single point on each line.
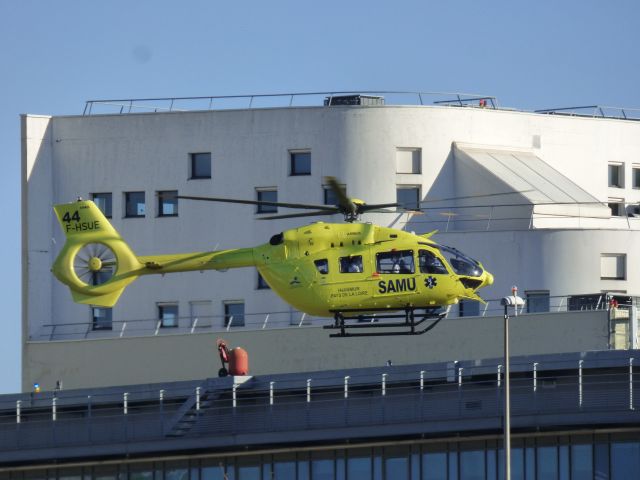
[488, 279]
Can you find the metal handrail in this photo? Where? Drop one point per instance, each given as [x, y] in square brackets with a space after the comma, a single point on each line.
[32, 421]
[596, 111]
[187, 325]
[403, 377]
[128, 105]
[486, 217]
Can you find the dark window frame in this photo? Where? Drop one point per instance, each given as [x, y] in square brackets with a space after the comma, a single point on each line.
[618, 182]
[193, 170]
[261, 283]
[97, 196]
[127, 199]
[95, 323]
[266, 208]
[407, 206]
[327, 192]
[228, 314]
[635, 176]
[163, 196]
[295, 171]
[617, 207]
[166, 306]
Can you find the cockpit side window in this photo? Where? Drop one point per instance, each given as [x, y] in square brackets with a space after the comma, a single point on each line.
[322, 266]
[399, 261]
[429, 263]
[352, 264]
[461, 264]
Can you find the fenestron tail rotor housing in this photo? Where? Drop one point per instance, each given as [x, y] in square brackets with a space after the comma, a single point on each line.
[95, 263]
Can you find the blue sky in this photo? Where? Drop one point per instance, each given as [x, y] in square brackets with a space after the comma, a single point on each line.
[56, 55]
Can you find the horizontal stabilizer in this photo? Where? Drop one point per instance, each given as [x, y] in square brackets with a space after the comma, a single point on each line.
[429, 235]
[105, 300]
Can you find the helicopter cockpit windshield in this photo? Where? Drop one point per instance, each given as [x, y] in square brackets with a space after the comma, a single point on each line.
[461, 264]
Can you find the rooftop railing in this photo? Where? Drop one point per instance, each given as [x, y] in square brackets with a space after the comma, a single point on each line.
[580, 391]
[187, 325]
[281, 100]
[595, 111]
[315, 99]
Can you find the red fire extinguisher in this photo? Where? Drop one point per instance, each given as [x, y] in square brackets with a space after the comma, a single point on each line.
[237, 359]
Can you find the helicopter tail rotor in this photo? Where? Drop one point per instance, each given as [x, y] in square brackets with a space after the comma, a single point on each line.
[95, 262]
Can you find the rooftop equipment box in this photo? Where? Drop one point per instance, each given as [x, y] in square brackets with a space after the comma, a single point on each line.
[354, 100]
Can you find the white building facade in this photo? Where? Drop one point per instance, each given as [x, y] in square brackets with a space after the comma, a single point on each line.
[545, 202]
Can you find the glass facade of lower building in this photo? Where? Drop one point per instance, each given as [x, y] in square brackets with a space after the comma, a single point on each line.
[613, 456]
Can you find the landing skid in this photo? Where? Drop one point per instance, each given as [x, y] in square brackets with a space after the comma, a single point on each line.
[369, 320]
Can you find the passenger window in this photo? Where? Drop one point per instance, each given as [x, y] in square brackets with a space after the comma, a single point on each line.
[351, 264]
[322, 266]
[395, 262]
[429, 263]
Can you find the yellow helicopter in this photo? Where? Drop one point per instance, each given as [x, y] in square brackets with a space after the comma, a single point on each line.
[346, 271]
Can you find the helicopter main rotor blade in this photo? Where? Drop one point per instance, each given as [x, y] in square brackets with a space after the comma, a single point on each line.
[467, 197]
[384, 210]
[327, 208]
[307, 214]
[344, 202]
[368, 207]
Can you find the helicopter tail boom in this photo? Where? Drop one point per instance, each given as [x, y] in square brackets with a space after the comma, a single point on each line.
[97, 264]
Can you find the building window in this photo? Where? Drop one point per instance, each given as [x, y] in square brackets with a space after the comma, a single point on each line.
[537, 301]
[270, 195]
[330, 197]
[613, 266]
[352, 264]
[103, 202]
[262, 284]
[300, 162]
[409, 160]
[101, 318]
[616, 175]
[469, 308]
[134, 204]
[200, 164]
[168, 314]
[201, 313]
[400, 261]
[408, 197]
[617, 207]
[167, 203]
[234, 314]
[106, 271]
[635, 176]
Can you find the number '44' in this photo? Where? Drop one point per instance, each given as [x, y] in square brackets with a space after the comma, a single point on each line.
[75, 217]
